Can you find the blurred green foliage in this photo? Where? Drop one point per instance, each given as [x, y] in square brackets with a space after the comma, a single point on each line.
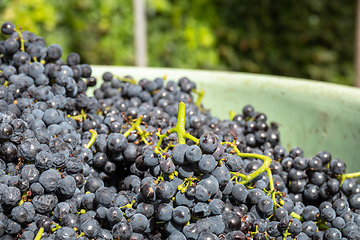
[307, 39]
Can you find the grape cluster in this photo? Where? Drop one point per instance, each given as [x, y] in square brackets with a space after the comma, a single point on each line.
[145, 160]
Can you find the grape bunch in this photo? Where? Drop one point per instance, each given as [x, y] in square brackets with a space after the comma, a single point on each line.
[144, 160]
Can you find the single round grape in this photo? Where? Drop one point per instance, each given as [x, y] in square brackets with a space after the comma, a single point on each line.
[332, 234]
[7, 28]
[181, 214]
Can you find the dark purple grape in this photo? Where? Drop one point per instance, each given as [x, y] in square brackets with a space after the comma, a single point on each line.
[7, 28]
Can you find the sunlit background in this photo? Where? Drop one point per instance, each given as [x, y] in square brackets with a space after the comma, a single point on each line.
[312, 39]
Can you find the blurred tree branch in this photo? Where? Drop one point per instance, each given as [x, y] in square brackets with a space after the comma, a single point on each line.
[357, 45]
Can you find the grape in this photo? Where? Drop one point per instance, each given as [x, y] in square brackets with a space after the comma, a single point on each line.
[191, 231]
[353, 235]
[116, 142]
[273, 231]
[167, 166]
[324, 156]
[332, 234]
[340, 206]
[23, 213]
[50, 179]
[105, 196]
[7, 28]
[300, 163]
[139, 223]
[337, 166]
[177, 236]
[105, 234]
[347, 216]
[181, 214]
[193, 154]
[234, 163]
[354, 201]
[328, 214]
[295, 227]
[114, 215]
[333, 185]
[254, 196]
[281, 213]
[216, 206]
[11, 196]
[202, 193]
[207, 163]
[93, 183]
[315, 163]
[311, 192]
[165, 190]
[163, 212]
[309, 228]
[265, 205]
[349, 186]
[121, 230]
[318, 235]
[208, 143]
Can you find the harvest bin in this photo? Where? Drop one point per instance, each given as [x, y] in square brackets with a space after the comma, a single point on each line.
[312, 115]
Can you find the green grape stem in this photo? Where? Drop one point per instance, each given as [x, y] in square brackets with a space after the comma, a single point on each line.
[160, 178]
[22, 41]
[232, 115]
[92, 138]
[81, 211]
[265, 167]
[136, 126]
[24, 197]
[297, 216]
[81, 117]
[179, 129]
[200, 94]
[323, 226]
[348, 175]
[128, 80]
[129, 205]
[286, 233]
[188, 182]
[39, 234]
[57, 226]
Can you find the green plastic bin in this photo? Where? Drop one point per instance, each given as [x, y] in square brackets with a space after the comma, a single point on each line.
[312, 115]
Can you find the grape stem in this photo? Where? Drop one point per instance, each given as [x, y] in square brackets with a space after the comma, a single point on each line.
[265, 167]
[200, 94]
[92, 138]
[188, 182]
[129, 205]
[81, 117]
[179, 129]
[39, 234]
[348, 175]
[128, 80]
[297, 216]
[57, 226]
[286, 233]
[81, 211]
[136, 126]
[22, 45]
[323, 226]
[23, 197]
[232, 114]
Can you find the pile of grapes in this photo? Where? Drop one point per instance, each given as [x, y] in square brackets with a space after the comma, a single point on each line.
[144, 160]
